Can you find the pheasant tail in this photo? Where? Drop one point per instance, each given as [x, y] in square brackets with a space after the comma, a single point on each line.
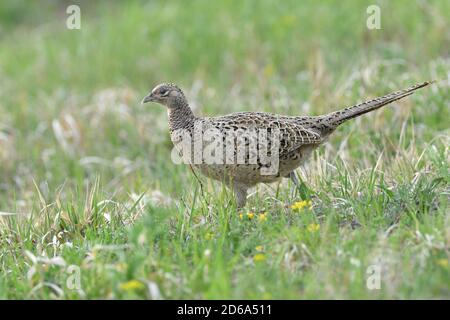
[338, 117]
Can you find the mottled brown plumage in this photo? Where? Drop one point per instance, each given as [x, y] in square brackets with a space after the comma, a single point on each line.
[298, 136]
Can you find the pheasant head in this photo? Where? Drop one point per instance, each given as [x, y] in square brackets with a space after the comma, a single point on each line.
[168, 95]
[171, 96]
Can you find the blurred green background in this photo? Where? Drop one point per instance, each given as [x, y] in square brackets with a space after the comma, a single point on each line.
[227, 55]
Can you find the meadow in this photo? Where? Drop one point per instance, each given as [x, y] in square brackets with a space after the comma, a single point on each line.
[92, 207]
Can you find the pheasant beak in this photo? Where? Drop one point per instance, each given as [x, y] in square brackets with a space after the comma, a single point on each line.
[148, 98]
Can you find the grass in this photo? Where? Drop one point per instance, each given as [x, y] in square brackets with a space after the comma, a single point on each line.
[85, 179]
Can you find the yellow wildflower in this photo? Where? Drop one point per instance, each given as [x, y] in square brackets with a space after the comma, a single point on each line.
[131, 285]
[241, 216]
[313, 227]
[262, 217]
[259, 248]
[250, 215]
[442, 262]
[299, 205]
[209, 236]
[259, 257]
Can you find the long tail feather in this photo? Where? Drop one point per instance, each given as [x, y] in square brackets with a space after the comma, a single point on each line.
[338, 117]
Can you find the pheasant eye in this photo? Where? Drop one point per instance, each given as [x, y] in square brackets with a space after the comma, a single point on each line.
[163, 92]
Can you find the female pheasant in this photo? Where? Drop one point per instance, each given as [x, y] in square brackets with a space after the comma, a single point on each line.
[245, 148]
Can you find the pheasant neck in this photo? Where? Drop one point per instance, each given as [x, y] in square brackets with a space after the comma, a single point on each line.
[181, 117]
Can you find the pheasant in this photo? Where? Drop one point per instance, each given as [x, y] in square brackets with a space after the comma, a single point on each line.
[236, 141]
